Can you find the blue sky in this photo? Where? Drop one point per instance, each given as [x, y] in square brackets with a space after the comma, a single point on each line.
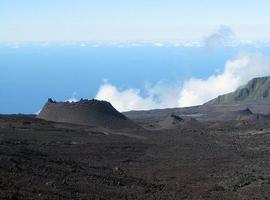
[31, 74]
[191, 50]
[120, 20]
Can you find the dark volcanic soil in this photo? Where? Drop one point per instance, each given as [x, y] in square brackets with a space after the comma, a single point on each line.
[85, 112]
[46, 160]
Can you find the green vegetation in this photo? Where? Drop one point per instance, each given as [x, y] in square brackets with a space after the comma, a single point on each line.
[256, 89]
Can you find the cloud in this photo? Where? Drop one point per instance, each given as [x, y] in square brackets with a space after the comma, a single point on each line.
[36, 113]
[158, 44]
[192, 92]
[124, 100]
[236, 73]
[73, 98]
[223, 36]
[157, 96]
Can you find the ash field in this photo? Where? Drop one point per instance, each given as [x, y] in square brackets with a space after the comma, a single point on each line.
[89, 150]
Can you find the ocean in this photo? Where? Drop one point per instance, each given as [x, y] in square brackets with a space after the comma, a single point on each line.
[30, 74]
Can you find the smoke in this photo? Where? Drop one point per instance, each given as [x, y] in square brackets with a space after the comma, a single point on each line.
[194, 91]
[223, 36]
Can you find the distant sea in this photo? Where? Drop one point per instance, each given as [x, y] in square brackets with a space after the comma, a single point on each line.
[32, 73]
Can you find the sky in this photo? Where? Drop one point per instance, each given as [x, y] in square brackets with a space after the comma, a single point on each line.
[138, 55]
[121, 20]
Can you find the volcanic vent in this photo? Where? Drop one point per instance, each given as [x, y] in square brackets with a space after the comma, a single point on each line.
[85, 112]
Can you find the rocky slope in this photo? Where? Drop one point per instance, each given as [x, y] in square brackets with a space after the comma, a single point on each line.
[255, 89]
[85, 112]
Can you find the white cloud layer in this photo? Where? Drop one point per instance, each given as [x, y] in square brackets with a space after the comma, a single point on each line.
[236, 73]
[194, 91]
[158, 96]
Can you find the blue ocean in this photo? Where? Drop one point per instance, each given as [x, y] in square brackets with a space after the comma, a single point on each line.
[30, 74]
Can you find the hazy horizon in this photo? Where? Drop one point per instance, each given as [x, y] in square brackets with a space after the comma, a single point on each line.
[120, 20]
[138, 55]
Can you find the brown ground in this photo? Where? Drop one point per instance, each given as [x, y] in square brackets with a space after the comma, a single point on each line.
[45, 160]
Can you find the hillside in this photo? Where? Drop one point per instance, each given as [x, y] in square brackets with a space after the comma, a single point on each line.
[255, 89]
[85, 112]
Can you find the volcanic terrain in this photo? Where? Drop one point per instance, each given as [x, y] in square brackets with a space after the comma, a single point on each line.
[85, 112]
[88, 150]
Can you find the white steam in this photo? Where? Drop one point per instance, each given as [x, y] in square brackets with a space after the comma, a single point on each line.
[194, 91]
